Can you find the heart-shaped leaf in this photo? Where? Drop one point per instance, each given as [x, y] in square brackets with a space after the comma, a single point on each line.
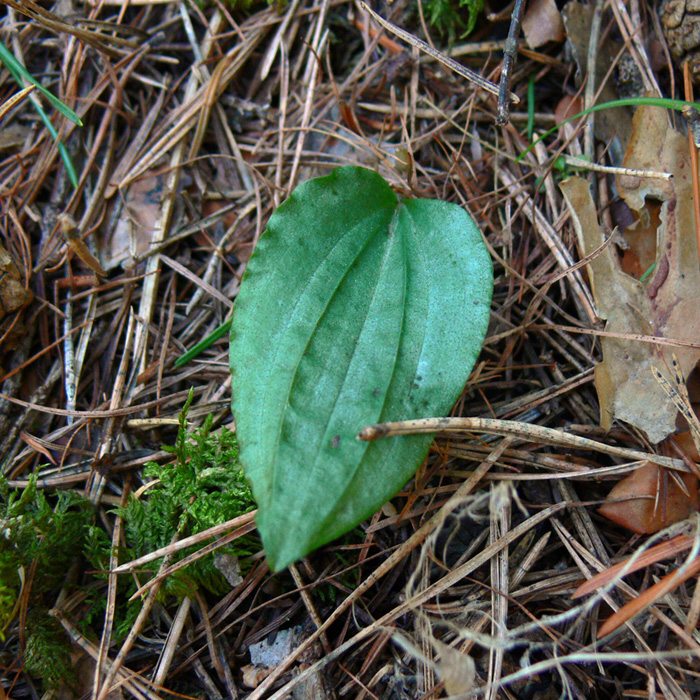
[355, 308]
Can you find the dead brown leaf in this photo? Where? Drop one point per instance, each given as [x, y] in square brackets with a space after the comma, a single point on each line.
[665, 304]
[13, 294]
[651, 499]
[542, 23]
[577, 21]
[132, 221]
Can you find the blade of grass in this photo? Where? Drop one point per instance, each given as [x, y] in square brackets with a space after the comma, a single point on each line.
[202, 345]
[21, 75]
[676, 105]
[648, 272]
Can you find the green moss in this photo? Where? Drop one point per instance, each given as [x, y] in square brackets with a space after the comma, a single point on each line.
[37, 536]
[40, 538]
[202, 487]
[47, 654]
[447, 16]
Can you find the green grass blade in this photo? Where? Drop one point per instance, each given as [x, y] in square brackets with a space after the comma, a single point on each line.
[20, 73]
[676, 105]
[63, 152]
[202, 345]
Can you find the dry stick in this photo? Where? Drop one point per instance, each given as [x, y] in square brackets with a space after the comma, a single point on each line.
[124, 411]
[198, 282]
[543, 435]
[211, 642]
[553, 241]
[56, 24]
[111, 605]
[137, 142]
[670, 548]
[14, 101]
[311, 79]
[384, 568]
[160, 229]
[8, 447]
[184, 543]
[217, 255]
[212, 92]
[423, 25]
[433, 112]
[277, 42]
[84, 339]
[426, 661]
[693, 615]
[589, 98]
[170, 648]
[449, 580]
[652, 594]
[631, 33]
[210, 83]
[510, 52]
[134, 631]
[107, 122]
[149, 293]
[130, 680]
[171, 291]
[284, 102]
[614, 170]
[94, 490]
[499, 525]
[587, 532]
[411, 101]
[70, 382]
[535, 398]
[693, 146]
[574, 547]
[526, 431]
[526, 564]
[324, 105]
[186, 561]
[659, 340]
[309, 605]
[681, 399]
[470, 75]
[587, 657]
[182, 119]
[543, 156]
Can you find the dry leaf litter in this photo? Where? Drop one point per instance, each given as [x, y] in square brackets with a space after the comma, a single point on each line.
[199, 120]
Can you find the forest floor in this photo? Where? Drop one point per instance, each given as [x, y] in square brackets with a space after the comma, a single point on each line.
[198, 121]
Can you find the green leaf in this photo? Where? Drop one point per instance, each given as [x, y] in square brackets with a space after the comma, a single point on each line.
[20, 73]
[355, 308]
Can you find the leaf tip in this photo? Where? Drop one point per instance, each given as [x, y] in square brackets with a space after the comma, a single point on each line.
[280, 558]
